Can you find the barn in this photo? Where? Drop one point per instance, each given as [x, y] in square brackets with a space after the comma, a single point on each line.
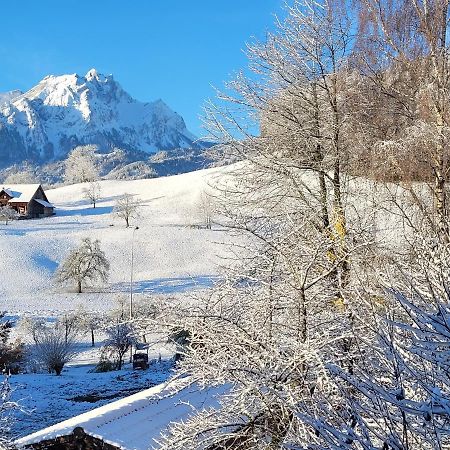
[29, 200]
[132, 423]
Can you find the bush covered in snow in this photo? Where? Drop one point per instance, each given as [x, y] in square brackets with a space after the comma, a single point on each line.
[53, 346]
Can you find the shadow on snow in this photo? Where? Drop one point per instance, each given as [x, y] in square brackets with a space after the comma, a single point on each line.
[90, 211]
[169, 285]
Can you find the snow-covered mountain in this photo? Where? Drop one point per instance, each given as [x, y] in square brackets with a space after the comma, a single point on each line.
[6, 97]
[61, 112]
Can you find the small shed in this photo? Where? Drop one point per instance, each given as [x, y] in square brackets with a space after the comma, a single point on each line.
[29, 200]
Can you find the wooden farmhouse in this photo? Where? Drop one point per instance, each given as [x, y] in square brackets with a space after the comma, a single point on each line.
[29, 200]
[132, 423]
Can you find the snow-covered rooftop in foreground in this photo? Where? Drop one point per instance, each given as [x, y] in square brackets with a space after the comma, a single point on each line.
[135, 422]
[20, 192]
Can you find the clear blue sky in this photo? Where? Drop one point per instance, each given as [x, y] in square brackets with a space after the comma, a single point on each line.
[169, 49]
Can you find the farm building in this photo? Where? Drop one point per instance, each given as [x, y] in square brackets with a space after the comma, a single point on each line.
[132, 423]
[29, 200]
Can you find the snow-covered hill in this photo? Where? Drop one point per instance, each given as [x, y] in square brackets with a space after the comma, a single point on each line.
[61, 112]
[171, 254]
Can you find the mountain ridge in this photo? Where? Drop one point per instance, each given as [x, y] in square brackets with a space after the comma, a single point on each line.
[44, 123]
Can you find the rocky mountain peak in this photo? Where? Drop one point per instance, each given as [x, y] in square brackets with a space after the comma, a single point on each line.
[64, 111]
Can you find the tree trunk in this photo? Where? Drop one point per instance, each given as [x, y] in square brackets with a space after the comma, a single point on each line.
[302, 331]
[440, 63]
[340, 223]
[440, 196]
[121, 357]
[92, 338]
[79, 287]
[318, 159]
[340, 227]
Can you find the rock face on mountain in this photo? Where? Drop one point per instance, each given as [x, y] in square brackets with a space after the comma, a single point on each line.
[61, 112]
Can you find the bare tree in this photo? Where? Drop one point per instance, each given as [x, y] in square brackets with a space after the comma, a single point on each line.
[84, 263]
[297, 96]
[30, 325]
[127, 208]
[93, 192]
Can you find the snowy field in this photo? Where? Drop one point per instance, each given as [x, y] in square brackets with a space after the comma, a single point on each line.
[171, 255]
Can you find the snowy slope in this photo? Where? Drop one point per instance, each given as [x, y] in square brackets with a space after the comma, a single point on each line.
[61, 112]
[170, 255]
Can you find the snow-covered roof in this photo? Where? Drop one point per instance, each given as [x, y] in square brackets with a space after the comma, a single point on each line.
[20, 192]
[133, 423]
[44, 203]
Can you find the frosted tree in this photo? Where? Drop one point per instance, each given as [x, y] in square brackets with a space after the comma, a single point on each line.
[403, 54]
[92, 322]
[284, 313]
[7, 214]
[28, 325]
[81, 165]
[93, 192]
[397, 393]
[269, 330]
[84, 263]
[120, 338]
[71, 322]
[205, 210]
[296, 96]
[311, 357]
[127, 208]
[25, 176]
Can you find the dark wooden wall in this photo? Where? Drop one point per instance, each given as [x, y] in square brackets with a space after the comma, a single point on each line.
[77, 440]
